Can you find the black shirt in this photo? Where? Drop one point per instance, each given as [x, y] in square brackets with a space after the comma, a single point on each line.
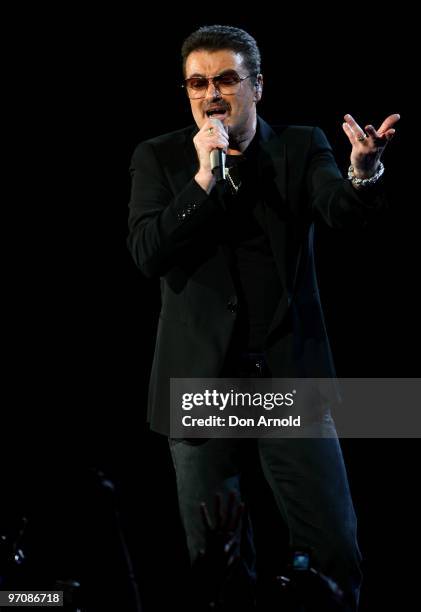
[252, 263]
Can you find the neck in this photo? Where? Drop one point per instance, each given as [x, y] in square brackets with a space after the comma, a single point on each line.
[238, 142]
[238, 149]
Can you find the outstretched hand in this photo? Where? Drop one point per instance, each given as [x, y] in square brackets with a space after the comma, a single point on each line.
[368, 144]
[221, 538]
[221, 578]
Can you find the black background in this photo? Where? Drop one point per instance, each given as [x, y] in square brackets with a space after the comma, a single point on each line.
[81, 318]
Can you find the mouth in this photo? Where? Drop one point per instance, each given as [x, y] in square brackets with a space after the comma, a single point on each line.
[217, 112]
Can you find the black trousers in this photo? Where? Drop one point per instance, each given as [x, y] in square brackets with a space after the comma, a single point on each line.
[308, 479]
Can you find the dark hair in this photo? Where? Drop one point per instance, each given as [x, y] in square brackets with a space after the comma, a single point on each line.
[218, 37]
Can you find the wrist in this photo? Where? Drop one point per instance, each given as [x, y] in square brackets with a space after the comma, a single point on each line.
[365, 171]
[360, 180]
[205, 180]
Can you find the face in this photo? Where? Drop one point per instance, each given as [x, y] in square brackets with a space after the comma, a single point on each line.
[236, 110]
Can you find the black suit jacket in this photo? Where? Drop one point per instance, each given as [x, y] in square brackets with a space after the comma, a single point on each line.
[173, 233]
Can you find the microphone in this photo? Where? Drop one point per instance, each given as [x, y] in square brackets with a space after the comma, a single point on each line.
[217, 161]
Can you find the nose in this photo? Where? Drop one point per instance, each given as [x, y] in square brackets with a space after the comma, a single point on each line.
[212, 91]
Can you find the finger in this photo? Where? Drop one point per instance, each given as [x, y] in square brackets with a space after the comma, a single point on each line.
[389, 134]
[348, 131]
[356, 129]
[388, 123]
[211, 129]
[214, 142]
[370, 130]
[217, 123]
[212, 132]
[380, 138]
[218, 144]
[205, 516]
[215, 126]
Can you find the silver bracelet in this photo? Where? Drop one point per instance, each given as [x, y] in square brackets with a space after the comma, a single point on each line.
[358, 182]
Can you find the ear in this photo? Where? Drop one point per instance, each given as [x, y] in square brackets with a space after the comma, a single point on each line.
[258, 88]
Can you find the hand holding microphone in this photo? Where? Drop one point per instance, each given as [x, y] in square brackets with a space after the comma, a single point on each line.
[211, 144]
[218, 156]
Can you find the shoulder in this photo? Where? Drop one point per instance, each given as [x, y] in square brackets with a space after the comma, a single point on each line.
[292, 135]
[305, 135]
[165, 142]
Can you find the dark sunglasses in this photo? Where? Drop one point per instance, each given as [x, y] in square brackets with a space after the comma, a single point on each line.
[226, 83]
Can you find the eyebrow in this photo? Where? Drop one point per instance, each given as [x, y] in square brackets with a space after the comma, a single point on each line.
[198, 74]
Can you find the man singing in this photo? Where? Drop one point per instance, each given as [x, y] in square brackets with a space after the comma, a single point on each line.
[239, 290]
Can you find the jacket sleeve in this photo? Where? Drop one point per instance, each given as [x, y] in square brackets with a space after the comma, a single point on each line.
[162, 222]
[332, 196]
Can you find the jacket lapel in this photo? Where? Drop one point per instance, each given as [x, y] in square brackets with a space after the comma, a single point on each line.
[273, 156]
[272, 170]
